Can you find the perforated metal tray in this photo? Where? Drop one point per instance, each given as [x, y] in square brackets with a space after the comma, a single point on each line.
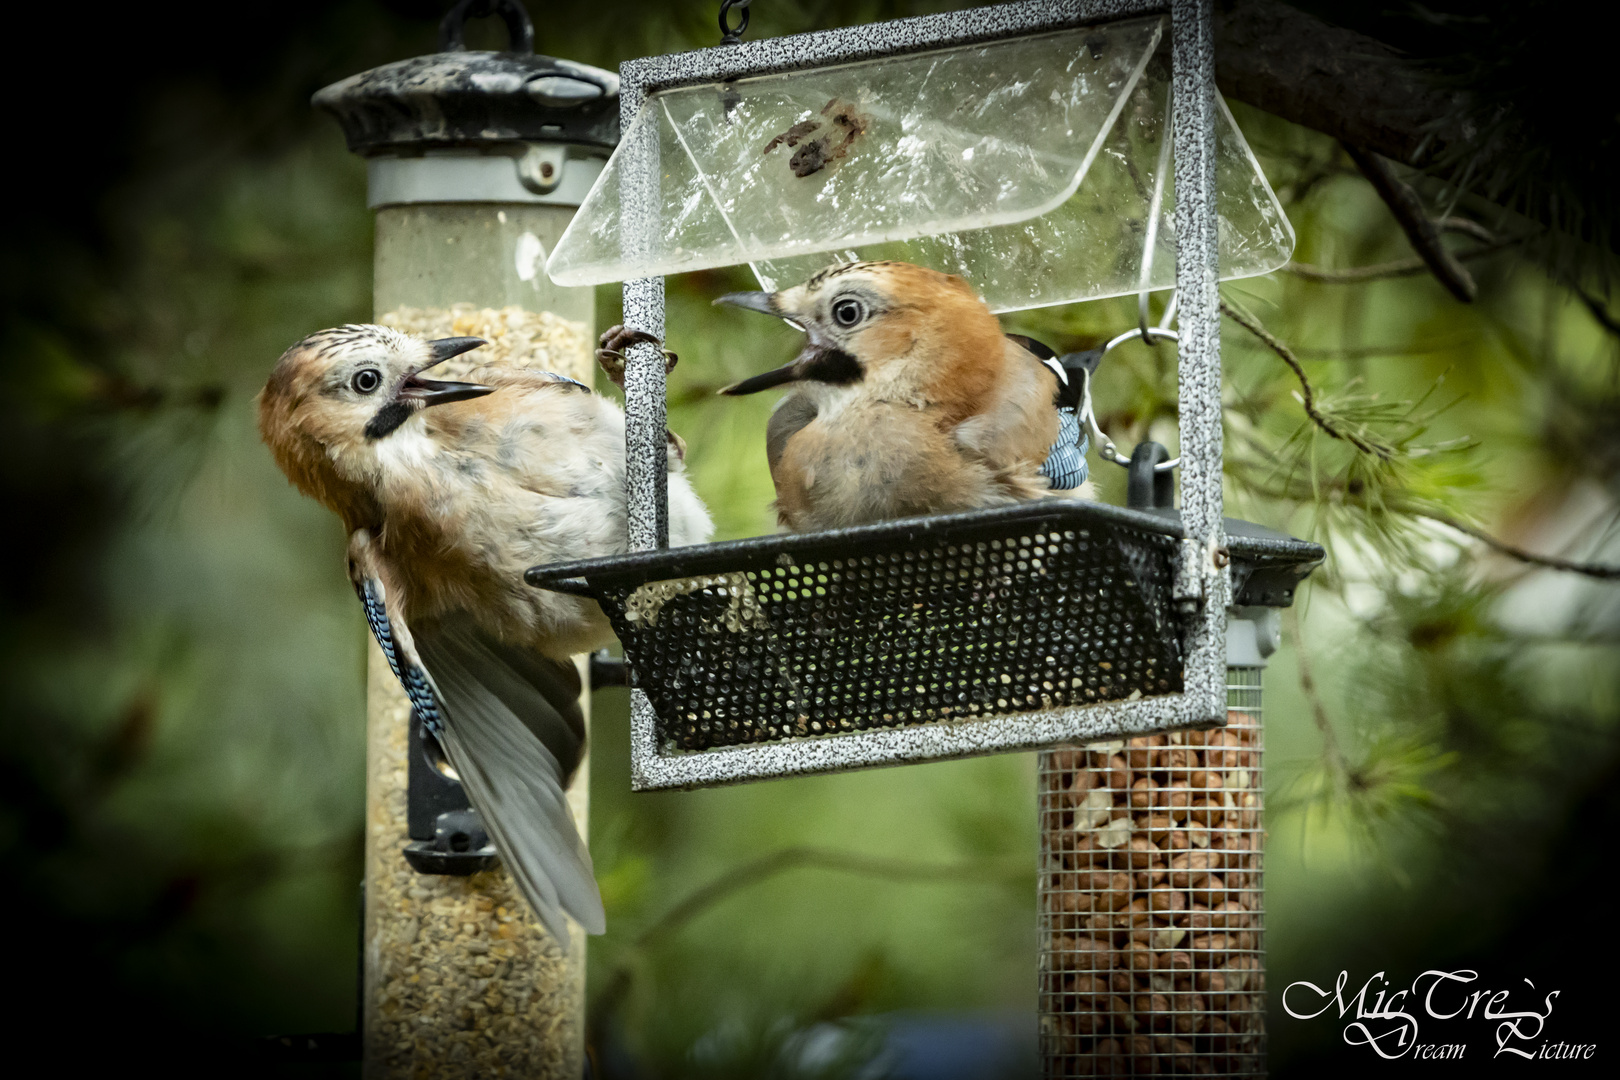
[1044, 611]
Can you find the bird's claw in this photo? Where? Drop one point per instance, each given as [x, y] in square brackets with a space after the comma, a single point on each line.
[611, 346]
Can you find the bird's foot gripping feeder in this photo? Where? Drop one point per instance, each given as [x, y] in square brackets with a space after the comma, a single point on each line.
[912, 640]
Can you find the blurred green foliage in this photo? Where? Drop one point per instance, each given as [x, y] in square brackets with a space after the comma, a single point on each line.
[181, 756]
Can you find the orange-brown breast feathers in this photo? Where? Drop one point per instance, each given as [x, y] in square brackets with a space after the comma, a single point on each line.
[953, 331]
[297, 450]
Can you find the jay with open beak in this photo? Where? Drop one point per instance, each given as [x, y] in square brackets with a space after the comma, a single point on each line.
[449, 491]
[907, 399]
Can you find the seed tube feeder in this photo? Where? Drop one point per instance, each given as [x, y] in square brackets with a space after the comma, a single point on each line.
[476, 162]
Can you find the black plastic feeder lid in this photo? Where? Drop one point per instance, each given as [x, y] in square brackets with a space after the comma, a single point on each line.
[456, 97]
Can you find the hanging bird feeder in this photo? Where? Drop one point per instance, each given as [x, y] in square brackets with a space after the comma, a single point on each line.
[1048, 152]
[476, 161]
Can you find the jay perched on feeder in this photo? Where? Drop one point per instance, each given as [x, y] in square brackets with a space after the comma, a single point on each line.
[450, 490]
[908, 400]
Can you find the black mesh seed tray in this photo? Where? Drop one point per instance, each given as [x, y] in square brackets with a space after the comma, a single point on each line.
[1038, 606]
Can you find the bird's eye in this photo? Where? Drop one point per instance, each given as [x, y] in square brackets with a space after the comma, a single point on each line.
[366, 380]
[848, 311]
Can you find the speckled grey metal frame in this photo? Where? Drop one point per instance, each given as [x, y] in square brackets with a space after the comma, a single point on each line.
[1201, 583]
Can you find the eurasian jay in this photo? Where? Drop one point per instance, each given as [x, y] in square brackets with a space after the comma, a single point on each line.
[908, 399]
[450, 491]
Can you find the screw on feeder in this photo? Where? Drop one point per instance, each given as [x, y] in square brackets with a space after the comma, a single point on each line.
[437, 811]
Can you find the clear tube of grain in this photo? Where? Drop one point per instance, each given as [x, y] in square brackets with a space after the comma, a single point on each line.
[460, 980]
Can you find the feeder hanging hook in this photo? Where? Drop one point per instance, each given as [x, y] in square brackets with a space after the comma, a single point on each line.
[519, 27]
[730, 35]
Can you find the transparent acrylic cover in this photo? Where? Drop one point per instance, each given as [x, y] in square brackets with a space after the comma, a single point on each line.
[1033, 167]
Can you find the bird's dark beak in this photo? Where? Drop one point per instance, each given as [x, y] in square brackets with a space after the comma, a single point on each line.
[429, 392]
[445, 348]
[785, 374]
[762, 302]
[434, 392]
[817, 363]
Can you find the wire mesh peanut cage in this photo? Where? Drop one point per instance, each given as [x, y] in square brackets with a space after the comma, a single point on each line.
[1151, 902]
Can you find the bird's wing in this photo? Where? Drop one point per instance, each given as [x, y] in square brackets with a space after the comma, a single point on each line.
[511, 725]
[1018, 424]
[790, 416]
[497, 701]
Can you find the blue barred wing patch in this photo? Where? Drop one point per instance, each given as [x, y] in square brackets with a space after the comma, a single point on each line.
[411, 676]
[1065, 465]
[563, 378]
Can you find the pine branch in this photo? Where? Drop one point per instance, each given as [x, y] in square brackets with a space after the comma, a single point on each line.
[1599, 309]
[1365, 352]
[757, 871]
[1411, 509]
[1552, 562]
[1407, 267]
[1421, 231]
[1308, 397]
[768, 866]
[1339, 82]
[1307, 684]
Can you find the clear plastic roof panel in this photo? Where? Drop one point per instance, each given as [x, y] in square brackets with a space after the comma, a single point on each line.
[778, 167]
[1103, 240]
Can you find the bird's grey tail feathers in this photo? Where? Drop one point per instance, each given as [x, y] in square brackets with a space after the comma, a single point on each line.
[514, 734]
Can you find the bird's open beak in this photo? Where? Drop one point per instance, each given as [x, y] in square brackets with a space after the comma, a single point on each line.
[445, 348]
[754, 384]
[817, 363]
[434, 391]
[762, 302]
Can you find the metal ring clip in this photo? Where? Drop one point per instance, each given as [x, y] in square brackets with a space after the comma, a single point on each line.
[1105, 446]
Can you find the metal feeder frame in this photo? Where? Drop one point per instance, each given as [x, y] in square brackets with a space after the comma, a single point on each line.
[1196, 552]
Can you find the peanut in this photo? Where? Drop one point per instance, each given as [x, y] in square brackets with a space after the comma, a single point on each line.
[1138, 751]
[1142, 852]
[1082, 954]
[1117, 833]
[1093, 809]
[1188, 865]
[1159, 826]
[1167, 901]
[1167, 939]
[1174, 798]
